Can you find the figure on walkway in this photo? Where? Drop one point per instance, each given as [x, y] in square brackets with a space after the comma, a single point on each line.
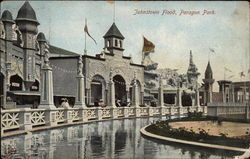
[65, 103]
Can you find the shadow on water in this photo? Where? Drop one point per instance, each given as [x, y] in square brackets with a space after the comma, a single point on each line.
[107, 139]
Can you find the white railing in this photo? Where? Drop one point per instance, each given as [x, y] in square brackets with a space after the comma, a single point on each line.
[75, 114]
[10, 119]
[91, 113]
[60, 115]
[38, 117]
[26, 119]
[120, 112]
[105, 113]
[144, 111]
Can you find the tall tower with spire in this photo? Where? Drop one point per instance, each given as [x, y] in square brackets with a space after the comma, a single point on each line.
[113, 40]
[192, 73]
[208, 83]
[27, 22]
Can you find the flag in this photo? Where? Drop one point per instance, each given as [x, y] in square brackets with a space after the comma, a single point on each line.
[227, 69]
[148, 45]
[212, 50]
[87, 31]
[242, 74]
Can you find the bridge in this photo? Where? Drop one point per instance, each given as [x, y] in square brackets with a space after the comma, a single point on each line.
[18, 121]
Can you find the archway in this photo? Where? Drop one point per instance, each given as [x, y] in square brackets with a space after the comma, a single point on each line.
[98, 86]
[120, 89]
[16, 83]
[1, 89]
[186, 100]
[169, 98]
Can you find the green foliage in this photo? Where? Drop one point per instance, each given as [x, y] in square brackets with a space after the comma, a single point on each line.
[164, 129]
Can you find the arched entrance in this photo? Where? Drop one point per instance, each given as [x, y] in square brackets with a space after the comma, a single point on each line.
[120, 89]
[16, 83]
[186, 100]
[98, 86]
[1, 89]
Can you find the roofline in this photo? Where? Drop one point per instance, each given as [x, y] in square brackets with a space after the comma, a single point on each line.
[63, 57]
[93, 57]
[133, 64]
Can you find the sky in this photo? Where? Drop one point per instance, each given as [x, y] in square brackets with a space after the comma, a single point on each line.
[225, 30]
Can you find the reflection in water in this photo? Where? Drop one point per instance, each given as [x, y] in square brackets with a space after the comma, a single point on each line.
[107, 139]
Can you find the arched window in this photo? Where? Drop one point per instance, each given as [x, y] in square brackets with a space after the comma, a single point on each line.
[35, 86]
[16, 83]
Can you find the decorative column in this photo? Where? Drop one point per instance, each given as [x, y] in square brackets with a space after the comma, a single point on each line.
[47, 101]
[197, 97]
[135, 93]
[111, 90]
[178, 100]
[80, 93]
[88, 96]
[160, 93]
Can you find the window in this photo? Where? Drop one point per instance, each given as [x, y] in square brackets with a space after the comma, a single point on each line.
[116, 43]
[120, 44]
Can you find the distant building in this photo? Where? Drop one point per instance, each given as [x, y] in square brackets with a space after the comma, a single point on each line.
[229, 92]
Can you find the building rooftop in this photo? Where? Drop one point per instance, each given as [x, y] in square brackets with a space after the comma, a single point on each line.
[114, 32]
[26, 12]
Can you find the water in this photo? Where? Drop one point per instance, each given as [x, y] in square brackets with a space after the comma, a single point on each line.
[107, 139]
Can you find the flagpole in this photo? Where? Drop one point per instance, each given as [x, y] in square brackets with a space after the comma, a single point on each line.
[85, 50]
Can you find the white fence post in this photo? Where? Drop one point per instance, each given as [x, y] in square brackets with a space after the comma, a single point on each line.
[25, 119]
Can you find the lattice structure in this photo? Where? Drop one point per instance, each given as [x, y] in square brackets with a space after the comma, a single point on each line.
[75, 115]
[91, 114]
[10, 121]
[106, 113]
[60, 116]
[120, 112]
[38, 118]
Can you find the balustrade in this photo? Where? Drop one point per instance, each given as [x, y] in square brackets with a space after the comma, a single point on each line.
[25, 119]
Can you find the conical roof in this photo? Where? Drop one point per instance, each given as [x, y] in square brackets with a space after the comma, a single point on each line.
[208, 72]
[26, 12]
[114, 32]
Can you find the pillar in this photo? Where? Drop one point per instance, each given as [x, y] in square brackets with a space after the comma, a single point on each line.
[135, 94]
[197, 97]
[178, 100]
[25, 119]
[88, 96]
[111, 90]
[80, 92]
[160, 96]
[47, 101]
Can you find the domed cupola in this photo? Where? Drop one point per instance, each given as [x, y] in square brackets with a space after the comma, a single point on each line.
[7, 17]
[26, 13]
[26, 19]
[8, 23]
[41, 37]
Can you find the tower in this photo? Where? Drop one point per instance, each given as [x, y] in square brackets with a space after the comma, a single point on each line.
[27, 23]
[113, 40]
[192, 73]
[208, 83]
